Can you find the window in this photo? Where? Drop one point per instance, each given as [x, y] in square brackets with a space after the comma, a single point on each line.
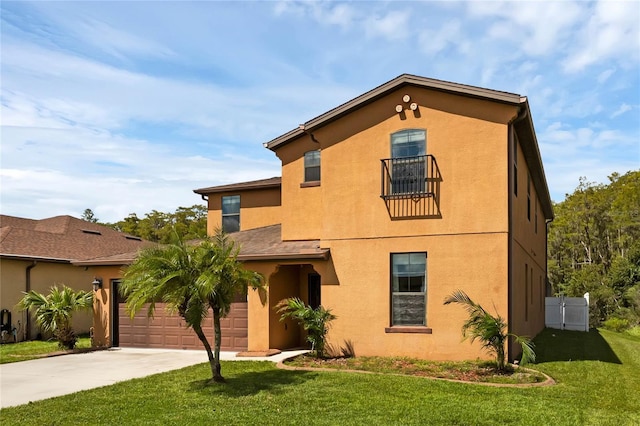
[529, 197]
[535, 218]
[515, 166]
[231, 213]
[408, 288]
[312, 166]
[526, 292]
[408, 170]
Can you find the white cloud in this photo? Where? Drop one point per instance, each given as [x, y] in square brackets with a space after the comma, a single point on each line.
[393, 25]
[435, 41]
[538, 28]
[623, 108]
[612, 32]
[605, 75]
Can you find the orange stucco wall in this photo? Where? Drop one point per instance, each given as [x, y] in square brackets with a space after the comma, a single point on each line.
[467, 137]
[44, 275]
[103, 302]
[257, 208]
[528, 254]
[471, 241]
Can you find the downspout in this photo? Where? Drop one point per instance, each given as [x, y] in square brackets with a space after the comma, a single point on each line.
[27, 323]
[304, 129]
[522, 114]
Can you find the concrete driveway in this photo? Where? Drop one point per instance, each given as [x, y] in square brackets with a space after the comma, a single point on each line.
[22, 382]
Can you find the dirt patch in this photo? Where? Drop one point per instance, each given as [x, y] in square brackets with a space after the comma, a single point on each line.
[249, 354]
[477, 372]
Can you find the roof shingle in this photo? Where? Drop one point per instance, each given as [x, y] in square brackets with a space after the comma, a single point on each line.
[62, 238]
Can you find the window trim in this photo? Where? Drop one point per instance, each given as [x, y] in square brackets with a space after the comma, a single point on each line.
[307, 168]
[223, 214]
[407, 328]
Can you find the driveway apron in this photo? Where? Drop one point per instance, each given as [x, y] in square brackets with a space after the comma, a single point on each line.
[34, 380]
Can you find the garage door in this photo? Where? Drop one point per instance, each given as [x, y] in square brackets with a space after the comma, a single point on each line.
[169, 331]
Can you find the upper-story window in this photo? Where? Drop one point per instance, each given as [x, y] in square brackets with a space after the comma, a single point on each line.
[231, 213]
[312, 166]
[408, 161]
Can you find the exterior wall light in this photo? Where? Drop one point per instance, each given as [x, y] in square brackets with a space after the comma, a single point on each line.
[97, 284]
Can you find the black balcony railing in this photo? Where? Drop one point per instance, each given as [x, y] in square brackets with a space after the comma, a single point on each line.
[410, 186]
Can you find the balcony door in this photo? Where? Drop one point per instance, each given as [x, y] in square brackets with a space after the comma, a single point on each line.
[408, 161]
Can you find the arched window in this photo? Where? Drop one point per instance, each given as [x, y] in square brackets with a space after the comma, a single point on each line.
[408, 161]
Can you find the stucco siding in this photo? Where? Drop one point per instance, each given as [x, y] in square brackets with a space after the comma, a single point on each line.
[44, 275]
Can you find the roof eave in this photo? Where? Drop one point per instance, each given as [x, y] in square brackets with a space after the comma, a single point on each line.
[531, 152]
[122, 262]
[384, 89]
[322, 255]
[14, 256]
[226, 188]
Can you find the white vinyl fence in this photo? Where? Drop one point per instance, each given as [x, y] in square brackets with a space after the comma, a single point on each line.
[567, 313]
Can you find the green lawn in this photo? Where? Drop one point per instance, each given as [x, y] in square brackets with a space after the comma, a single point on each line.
[598, 375]
[23, 351]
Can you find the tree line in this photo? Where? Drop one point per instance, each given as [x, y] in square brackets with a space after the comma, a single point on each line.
[594, 247]
[187, 223]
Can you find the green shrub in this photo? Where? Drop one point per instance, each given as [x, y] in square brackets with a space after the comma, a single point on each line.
[616, 324]
[634, 331]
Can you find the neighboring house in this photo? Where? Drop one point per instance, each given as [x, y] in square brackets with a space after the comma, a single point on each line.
[38, 254]
[387, 204]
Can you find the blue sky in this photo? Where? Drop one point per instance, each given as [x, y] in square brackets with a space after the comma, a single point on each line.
[127, 107]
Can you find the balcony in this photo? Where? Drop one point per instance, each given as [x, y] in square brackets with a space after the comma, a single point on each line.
[410, 187]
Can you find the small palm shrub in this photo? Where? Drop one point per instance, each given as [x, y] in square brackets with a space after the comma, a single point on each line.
[314, 321]
[54, 312]
[489, 330]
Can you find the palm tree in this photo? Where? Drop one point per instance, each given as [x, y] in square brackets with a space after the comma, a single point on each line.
[54, 312]
[489, 330]
[315, 321]
[190, 279]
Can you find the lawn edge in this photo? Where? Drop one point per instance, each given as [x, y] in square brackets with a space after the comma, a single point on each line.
[548, 382]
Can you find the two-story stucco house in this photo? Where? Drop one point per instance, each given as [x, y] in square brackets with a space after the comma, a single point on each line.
[386, 205]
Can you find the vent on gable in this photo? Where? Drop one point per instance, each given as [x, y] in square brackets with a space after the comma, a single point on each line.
[131, 237]
[91, 231]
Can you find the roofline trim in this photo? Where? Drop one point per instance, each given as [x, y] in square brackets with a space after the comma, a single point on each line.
[236, 187]
[323, 255]
[102, 262]
[14, 256]
[402, 80]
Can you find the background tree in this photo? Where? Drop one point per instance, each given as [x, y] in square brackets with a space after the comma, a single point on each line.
[191, 280]
[54, 312]
[188, 222]
[594, 246]
[489, 330]
[314, 321]
[89, 216]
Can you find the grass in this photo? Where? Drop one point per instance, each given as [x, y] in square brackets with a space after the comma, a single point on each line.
[23, 351]
[598, 375]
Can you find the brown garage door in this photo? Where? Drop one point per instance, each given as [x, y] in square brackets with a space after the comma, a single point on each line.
[169, 331]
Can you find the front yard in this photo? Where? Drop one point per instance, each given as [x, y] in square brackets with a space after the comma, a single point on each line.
[597, 375]
[23, 351]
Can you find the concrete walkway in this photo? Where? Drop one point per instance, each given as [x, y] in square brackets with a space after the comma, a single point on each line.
[34, 380]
